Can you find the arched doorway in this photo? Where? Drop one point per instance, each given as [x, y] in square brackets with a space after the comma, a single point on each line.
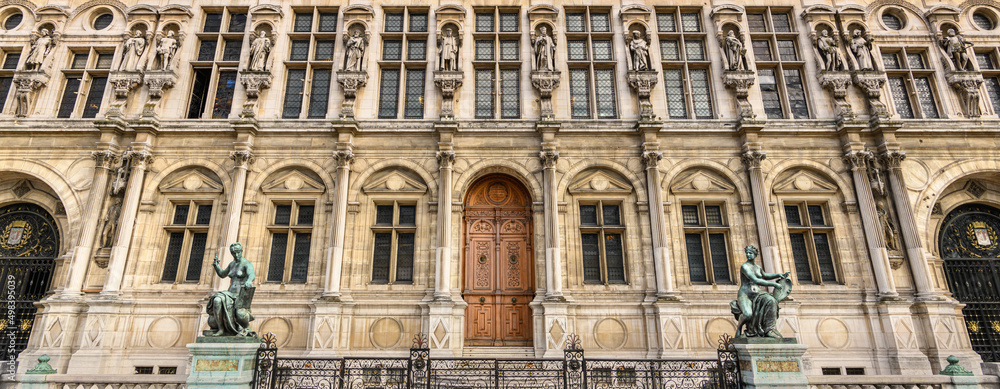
[29, 241]
[498, 263]
[970, 248]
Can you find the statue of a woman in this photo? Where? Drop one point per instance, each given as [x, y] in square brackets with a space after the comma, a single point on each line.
[640, 52]
[229, 310]
[260, 47]
[355, 47]
[861, 47]
[132, 48]
[41, 45]
[734, 52]
[544, 48]
[756, 310]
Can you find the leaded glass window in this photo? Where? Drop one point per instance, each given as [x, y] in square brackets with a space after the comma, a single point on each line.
[392, 258]
[224, 94]
[68, 102]
[601, 233]
[484, 22]
[300, 50]
[95, 95]
[604, 80]
[900, 98]
[389, 94]
[577, 50]
[695, 50]
[294, 90]
[10, 60]
[392, 50]
[579, 86]
[484, 50]
[509, 22]
[324, 51]
[232, 50]
[418, 22]
[770, 94]
[291, 242]
[575, 22]
[320, 93]
[327, 22]
[922, 86]
[414, 106]
[315, 71]
[510, 93]
[685, 64]
[705, 232]
[394, 22]
[303, 21]
[779, 64]
[992, 91]
[416, 50]
[910, 84]
[599, 22]
[220, 54]
[237, 22]
[497, 64]
[187, 238]
[5, 84]
[602, 50]
[665, 22]
[484, 93]
[670, 50]
[810, 235]
[674, 84]
[509, 50]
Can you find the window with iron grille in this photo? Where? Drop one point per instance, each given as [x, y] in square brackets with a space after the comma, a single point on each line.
[394, 233]
[403, 63]
[214, 72]
[86, 81]
[811, 236]
[310, 63]
[988, 65]
[592, 63]
[497, 63]
[291, 241]
[685, 63]
[706, 242]
[603, 247]
[780, 67]
[911, 83]
[187, 239]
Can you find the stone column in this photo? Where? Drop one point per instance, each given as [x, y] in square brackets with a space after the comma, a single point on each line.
[442, 280]
[858, 161]
[105, 160]
[657, 221]
[335, 255]
[139, 160]
[762, 210]
[553, 268]
[242, 159]
[892, 160]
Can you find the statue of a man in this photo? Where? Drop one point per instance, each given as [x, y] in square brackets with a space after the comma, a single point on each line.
[888, 228]
[165, 50]
[448, 51]
[955, 45]
[734, 52]
[756, 310]
[640, 52]
[544, 48]
[132, 48]
[41, 45]
[229, 310]
[355, 47]
[260, 47]
[827, 46]
[861, 47]
[111, 222]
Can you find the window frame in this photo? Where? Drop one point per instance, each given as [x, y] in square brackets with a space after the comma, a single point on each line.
[188, 229]
[218, 64]
[394, 229]
[602, 230]
[311, 65]
[292, 229]
[497, 65]
[777, 64]
[992, 55]
[404, 64]
[909, 75]
[810, 231]
[684, 63]
[591, 64]
[87, 76]
[704, 230]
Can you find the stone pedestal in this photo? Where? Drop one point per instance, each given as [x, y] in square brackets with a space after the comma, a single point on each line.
[545, 81]
[837, 83]
[740, 81]
[967, 84]
[448, 81]
[157, 81]
[871, 81]
[222, 362]
[771, 362]
[349, 82]
[253, 83]
[643, 82]
[123, 82]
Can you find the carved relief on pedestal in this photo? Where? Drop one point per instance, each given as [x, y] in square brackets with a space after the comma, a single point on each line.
[544, 72]
[353, 75]
[959, 60]
[28, 84]
[127, 76]
[866, 73]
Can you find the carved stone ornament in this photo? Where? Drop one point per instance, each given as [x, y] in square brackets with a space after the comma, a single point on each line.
[545, 82]
[740, 81]
[105, 159]
[253, 82]
[448, 81]
[859, 159]
[892, 159]
[28, 83]
[157, 81]
[344, 158]
[242, 158]
[967, 84]
[549, 158]
[652, 158]
[349, 82]
[139, 159]
[446, 158]
[643, 82]
[837, 82]
[753, 158]
[871, 83]
[123, 82]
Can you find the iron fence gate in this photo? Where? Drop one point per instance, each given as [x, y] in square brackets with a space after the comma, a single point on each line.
[420, 371]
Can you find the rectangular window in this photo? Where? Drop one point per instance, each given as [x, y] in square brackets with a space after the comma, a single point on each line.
[232, 50]
[509, 22]
[319, 94]
[418, 22]
[309, 80]
[294, 89]
[810, 235]
[992, 91]
[602, 50]
[174, 246]
[484, 93]
[770, 94]
[900, 97]
[187, 241]
[670, 50]
[705, 238]
[577, 50]
[665, 22]
[213, 22]
[604, 80]
[414, 105]
[510, 94]
[911, 86]
[685, 65]
[237, 22]
[224, 95]
[10, 60]
[300, 50]
[416, 50]
[392, 50]
[674, 85]
[484, 50]
[796, 94]
[691, 22]
[509, 50]
[327, 22]
[95, 95]
[779, 65]
[68, 102]
[579, 86]
[289, 257]
[394, 22]
[198, 241]
[701, 93]
[601, 243]
[925, 94]
[303, 21]
[484, 22]
[5, 84]
[497, 61]
[599, 22]
[575, 22]
[206, 51]
[389, 94]
[395, 234]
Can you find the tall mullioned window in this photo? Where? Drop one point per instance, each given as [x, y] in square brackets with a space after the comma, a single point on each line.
[601, 233]
[592, 63]
[686, 63]
[188, 239]
[7, 67]
[811, 234]
[911, 83]
[705, 239]
[310, 63]
[403, 64]
[220, 46]
[394, 230]
[780, 65]
[498, 64]
[291, 240]
[86, 80]
[990, 67]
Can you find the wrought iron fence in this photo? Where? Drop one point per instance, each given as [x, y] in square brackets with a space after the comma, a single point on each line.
[420, 371]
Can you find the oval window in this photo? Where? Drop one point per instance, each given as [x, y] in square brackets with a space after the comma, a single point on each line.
[983, 21]
[103, 20]
[891, 21]
[13, 21]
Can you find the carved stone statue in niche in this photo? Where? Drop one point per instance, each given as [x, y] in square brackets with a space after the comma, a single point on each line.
[42, 43]
[888, 227]
[166, 48]
[355, 45]
[133, 48]
[734, 52]
[260, 50]
[448, 45]
[829, 53]
[955, 46]
[638, 51]
[544, 48]
[22, 98]
[110, 229]
[861, 48]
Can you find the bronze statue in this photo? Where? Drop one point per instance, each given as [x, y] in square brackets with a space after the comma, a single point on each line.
[229, 310]
[756, 310]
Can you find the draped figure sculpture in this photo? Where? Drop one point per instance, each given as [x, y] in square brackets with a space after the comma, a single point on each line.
[544, 48]
[166, 47]
[830, 54]
[229, 310]
[639, 51]
[42, 43]
[448, 51]
[734, 52]
[260, 47]
[861, 47]
[133, 46]
[755, 309]
[355, 45]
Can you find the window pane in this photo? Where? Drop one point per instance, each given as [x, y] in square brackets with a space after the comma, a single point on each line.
[320, 93]
[915, 61]
[816, 216]
[276, 266]
[591, 258]
[900, 99]
[416, 50]
[509, 50]
[6, 82]
[232, 50]
[689, 215]
[674, 86]
[392, 50]
[826, 271]
[484, 22]
[756, 22]
[701, 93]
[508, 22]
[695, 50]
[10, 60]
[79, 61]
[305, 215]
[414, 105]
[926, 97]
[68, 102]
[510, 93]
[213, 22]
[696, 258]
[801, 257]
[611, 215]
[303, 21]
[383, 215]
[982, 21]
[615, 258]
[380, 260]
[418, 22]
[792, 215]
[197, 257]
[404, 258]
[394, 22]
[579, 90]
[300, 50]
[104, 61]
[293, 93]
[206, 52]
[690, 22]
[224, 95]
[992, 90]
[282, 215]
[890, 60]
[577, 50]
[484, 50]
[324, 51]
[204, 216]
[669, 50]
[180, 215]
[237, 22]
[985, 61]
[484, 93]
[769, 93]
[780, 23]
[796, 94]
[94, 97]
[574, 22]
[327, 22]
[602, 50]
[300, 257]
[588, 215]
[720, 259]
[389, 94]
[199, 93]
[665, 22]
[762, 50]
[786, 50]
[713, 215]
[599, 23]
[407, 215]
[605, 84]
[891, 21]
[173, 258]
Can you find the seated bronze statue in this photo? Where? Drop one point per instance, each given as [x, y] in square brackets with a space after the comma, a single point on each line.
[229, 310]
[756, 310]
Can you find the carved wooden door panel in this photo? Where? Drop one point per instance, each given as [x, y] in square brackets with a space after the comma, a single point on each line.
[498, 257]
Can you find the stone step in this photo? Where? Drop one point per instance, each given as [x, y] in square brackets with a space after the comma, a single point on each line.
[499, 352]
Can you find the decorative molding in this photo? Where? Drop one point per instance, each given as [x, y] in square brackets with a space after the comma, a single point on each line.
[445, 158]
[892, 159]
[753, 158]
[242, 158]
[549, 158]
[121, 7]
[859, 159]
[651, 158]
[344, 158]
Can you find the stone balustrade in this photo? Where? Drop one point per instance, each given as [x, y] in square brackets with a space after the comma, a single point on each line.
[902, 382]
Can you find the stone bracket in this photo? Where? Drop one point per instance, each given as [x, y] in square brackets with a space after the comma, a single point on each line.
[253, 83]
[350, 82]
[157, 81]
[837, 82]
[27, 82]
[545, 82]
[967, 84]
[123, 83]
[740, 81]
[870, 82]
[643, 82]
[448, 81]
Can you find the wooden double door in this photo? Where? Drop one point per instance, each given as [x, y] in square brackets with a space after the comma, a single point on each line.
[498, 279]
